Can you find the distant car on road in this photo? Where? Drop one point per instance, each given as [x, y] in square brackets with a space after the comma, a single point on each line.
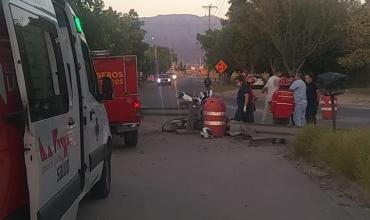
[172, 74]
[164, 79]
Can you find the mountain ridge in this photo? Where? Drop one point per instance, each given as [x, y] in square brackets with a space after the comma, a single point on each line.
[179, 31]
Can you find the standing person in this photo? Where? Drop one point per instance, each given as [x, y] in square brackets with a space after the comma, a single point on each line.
[252, 98]
[207, 86]
[313, 99]
[300, 98]
[270, 88]
[245, 111]
[282, 106]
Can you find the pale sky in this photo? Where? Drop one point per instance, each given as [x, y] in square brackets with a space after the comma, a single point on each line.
[149, 8]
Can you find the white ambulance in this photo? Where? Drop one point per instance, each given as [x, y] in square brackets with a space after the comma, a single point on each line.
[51, 113]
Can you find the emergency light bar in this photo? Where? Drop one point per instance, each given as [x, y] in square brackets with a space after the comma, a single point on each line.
[78, 24]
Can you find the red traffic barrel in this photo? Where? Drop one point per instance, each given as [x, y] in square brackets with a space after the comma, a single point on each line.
[326, 107]
[214, 116]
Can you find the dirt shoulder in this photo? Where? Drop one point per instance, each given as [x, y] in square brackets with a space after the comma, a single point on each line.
[355, 100]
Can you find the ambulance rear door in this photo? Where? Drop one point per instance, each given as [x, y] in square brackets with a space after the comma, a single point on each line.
[52, 136]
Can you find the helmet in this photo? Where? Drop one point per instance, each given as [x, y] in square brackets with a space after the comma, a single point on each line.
[206, 133]
[207, 82]
[284, 82]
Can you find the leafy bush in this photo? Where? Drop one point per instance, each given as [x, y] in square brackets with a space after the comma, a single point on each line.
[347, 153]
[305, 146]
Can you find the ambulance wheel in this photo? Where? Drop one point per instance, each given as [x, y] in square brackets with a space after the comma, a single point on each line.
[131, 138]
[102, 187]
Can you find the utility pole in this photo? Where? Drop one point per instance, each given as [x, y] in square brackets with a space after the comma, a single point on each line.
[156, 55]
[209, 8]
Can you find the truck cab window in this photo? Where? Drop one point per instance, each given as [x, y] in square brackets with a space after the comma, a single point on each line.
[91, 76]
[42, 64]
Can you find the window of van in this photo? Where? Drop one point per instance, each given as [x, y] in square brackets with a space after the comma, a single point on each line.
[42, 63]
[91, 75]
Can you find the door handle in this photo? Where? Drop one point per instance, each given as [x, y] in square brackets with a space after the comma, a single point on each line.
[92, 112]
[71, 122]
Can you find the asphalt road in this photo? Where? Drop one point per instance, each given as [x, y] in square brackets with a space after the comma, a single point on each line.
[165, 97]
[184, 177]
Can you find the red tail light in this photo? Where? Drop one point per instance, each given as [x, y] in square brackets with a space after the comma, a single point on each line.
[137, 105]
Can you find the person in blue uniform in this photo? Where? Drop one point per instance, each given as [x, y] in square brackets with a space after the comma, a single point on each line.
[245, 111]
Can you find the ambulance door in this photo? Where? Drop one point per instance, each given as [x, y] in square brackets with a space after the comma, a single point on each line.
[51, 140]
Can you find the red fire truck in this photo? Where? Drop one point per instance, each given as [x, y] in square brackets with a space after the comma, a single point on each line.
[123, 108]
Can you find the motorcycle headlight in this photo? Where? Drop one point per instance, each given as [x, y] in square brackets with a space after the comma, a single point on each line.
[169, 80]
[159, 80]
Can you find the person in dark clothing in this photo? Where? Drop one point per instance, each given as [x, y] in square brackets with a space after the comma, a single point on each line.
[313, 99]
[245, 112]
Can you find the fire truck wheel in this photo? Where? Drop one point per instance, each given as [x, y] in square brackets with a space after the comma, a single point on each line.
[131, 138]
[102, 187]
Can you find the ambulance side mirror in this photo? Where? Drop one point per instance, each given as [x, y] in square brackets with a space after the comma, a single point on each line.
[107, 87]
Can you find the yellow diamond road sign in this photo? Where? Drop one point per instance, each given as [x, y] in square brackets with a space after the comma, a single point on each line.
[221, 66]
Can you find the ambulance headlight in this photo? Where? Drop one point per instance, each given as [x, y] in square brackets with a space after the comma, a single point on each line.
[174, 77]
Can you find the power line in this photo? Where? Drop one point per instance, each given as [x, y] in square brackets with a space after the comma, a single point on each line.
[209, 8]
[222, 6]
[218, 4]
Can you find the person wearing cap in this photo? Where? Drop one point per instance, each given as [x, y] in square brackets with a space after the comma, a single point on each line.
[245, 111]
[282, 105]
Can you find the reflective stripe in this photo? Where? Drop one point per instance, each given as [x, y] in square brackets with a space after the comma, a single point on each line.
[214, 123]
[214, 113]
[328, 109]
[323, 102]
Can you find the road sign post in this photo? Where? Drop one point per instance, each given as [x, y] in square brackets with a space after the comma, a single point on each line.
[221, 67]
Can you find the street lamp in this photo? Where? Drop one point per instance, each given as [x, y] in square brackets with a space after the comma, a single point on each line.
[155, 55]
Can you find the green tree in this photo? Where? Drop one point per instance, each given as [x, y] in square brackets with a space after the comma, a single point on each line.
[357, 43]
[277, 34]
[165, 57]
[107, 29]
[299, 29]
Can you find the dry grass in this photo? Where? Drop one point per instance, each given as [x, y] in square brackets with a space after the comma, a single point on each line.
[347, 153]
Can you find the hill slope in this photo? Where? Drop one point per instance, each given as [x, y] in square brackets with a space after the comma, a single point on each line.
[179, 32]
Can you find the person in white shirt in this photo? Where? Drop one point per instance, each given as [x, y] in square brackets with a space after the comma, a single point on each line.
[270, 88]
